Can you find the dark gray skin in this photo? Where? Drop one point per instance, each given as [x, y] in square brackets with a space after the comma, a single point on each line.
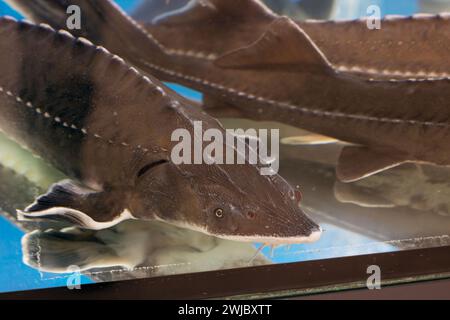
[109, 128]
[414, 46]
[284, 76]
[305, 90]
[404, 47]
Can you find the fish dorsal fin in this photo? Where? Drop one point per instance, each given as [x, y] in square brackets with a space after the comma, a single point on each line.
[356, 163]
[213, 10]
[283, 45]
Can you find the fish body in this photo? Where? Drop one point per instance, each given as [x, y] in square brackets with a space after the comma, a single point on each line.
[283, 75]
[359, 110]
[375, 83]
[79, 121]
[404, 46]
[73, 103]
[108, 128]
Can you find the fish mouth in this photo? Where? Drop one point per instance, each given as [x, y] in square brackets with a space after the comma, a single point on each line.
[275, 240]
[315, 234]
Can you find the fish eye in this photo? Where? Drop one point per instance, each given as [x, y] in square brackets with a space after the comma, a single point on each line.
[251, 215]
[218, 212]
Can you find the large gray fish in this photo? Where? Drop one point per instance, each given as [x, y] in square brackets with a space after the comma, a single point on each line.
[284, 76]
[404, 47]
[109, 128]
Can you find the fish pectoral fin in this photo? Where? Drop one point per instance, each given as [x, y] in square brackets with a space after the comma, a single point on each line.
[283, 46]
[208, 11]
[356, 163]
[81, 206]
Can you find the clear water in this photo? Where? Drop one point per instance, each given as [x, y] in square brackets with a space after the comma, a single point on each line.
[403, 208]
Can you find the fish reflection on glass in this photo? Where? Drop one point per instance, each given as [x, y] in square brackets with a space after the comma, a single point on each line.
[283, 75]
[24, 163]
[15, 190]
[417, 186]
[134, 249]
[411, 223]
[420, 187]
[99, 121]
